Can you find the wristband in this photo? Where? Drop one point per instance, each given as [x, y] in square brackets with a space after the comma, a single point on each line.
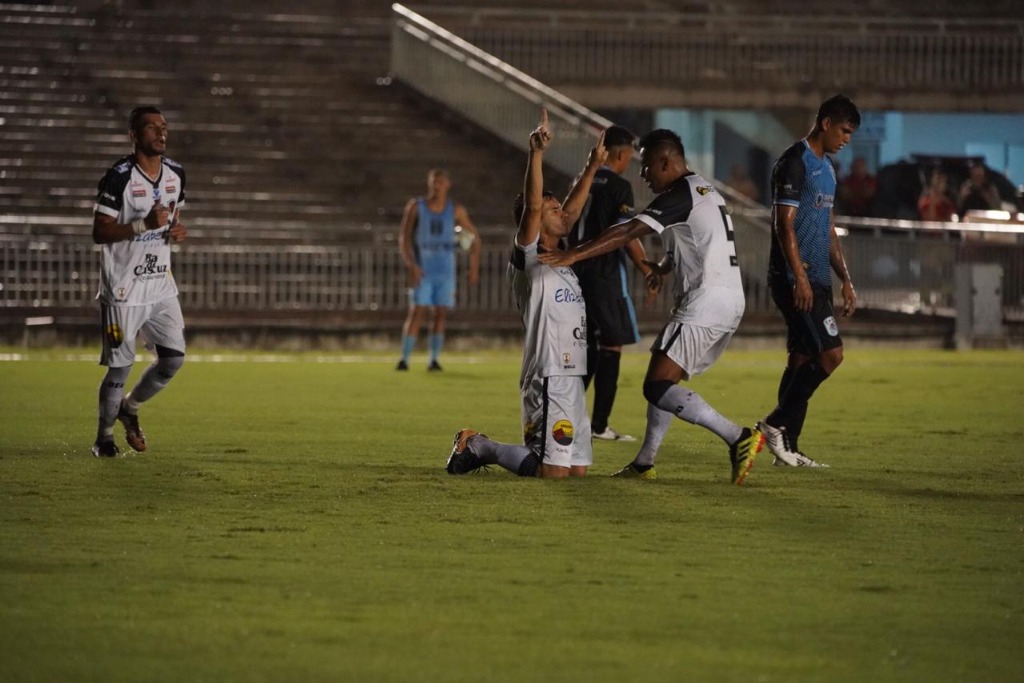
[139, 226]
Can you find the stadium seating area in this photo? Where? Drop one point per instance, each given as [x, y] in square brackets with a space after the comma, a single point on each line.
[285, 121]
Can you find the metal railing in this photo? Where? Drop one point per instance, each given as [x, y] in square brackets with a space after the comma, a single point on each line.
[889, 54]
[894, 272]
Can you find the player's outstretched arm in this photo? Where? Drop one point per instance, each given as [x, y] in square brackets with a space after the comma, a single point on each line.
[611, 239]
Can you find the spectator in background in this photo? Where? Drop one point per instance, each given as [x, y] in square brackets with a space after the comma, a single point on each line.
[740, 181]
[978, 193]
[935, 203]
[857, 189]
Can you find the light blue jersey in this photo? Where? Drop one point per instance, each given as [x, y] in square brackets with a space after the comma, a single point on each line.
[434, 244]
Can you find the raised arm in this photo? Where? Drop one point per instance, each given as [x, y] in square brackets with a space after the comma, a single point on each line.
[838, 262]
[533, 186]
[577, 197]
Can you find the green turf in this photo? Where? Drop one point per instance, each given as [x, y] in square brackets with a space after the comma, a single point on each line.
[292, 522]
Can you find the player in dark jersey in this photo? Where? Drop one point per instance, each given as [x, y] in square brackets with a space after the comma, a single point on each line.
[611, 320]
[805, 251]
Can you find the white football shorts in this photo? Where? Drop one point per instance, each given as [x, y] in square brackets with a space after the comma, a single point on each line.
[555, 422]
[161, 324]
[692, 347]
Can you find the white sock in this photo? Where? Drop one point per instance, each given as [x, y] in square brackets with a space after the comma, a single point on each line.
[689, 406]
[658, 422]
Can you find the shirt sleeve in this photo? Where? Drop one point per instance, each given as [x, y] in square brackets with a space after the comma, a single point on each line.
[788, 180]
[668, 208]
[110, 193]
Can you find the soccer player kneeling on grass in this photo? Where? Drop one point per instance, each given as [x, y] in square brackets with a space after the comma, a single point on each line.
[554, 409]
[691, 218]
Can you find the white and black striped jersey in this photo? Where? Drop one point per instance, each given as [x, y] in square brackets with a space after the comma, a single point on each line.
[696, 229]
[555, 317]
[137, 272]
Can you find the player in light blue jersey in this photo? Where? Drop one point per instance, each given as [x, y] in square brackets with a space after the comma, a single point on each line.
[427, 242]
[805, 252]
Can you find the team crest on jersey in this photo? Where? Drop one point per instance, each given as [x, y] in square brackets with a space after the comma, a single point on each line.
[563, 432]
[831, 327]
[703, 190]
[114, 335]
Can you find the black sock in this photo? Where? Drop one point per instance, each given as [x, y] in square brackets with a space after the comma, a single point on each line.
[793, 407]
[606, 383]
[799, 414]
[592, 362]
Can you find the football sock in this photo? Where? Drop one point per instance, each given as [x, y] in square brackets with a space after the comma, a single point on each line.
[153, 380]
[806, 379]
[795, 423]
[606, 382]
[658, 422]
[689, 406]
[435, 341]
[591, 363]
[506, 455]
[408, 342]
[111, 393]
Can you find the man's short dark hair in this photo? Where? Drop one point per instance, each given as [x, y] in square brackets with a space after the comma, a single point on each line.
[662, 137]
[519, 205]
[135, 118]
[838, 109]
[617, 136]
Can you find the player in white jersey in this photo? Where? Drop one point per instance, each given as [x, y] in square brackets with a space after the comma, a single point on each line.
[691, 217]
[136, 217]
[556, 429]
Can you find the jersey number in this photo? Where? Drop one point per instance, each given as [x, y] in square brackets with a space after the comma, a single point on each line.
[731, 236]
[436, 226]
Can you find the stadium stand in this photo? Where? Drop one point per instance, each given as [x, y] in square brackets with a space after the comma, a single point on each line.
[287, 121]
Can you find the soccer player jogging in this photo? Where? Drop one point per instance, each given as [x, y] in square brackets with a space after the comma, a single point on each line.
[804, 247]
[611, 320]
[691, 218]
[556, 430]
[136, 216]
[427, 243]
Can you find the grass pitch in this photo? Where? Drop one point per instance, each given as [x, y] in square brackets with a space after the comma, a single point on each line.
[291, 521]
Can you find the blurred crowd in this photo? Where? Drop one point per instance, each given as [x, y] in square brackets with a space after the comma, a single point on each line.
[927, 189]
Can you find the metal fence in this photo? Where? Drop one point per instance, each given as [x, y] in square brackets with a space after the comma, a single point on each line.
[894, 272]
